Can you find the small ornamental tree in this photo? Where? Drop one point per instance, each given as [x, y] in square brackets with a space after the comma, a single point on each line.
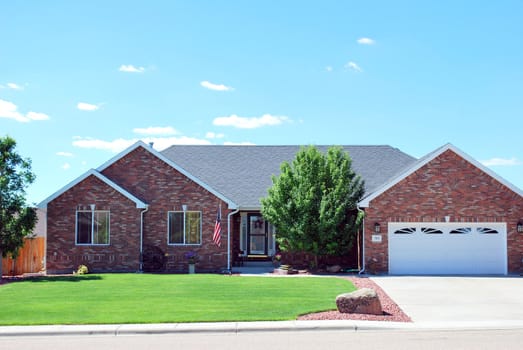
[17, 220]
[313, 203]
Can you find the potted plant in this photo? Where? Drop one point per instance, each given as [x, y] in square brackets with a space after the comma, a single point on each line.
[191, 258]
[276, 260]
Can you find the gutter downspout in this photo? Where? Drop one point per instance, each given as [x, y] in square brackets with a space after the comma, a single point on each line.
[363, 242]
[229, 238]
[141, 236]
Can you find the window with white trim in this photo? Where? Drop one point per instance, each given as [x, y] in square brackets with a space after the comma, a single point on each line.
[405, 231]
[487, 230]
[431, 231]
[184, 227]
[461, 231]
[92, 227]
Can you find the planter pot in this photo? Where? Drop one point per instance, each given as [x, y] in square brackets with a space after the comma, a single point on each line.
[191, 268]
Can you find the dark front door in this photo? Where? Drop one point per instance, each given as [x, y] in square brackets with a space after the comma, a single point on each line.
[257, 235]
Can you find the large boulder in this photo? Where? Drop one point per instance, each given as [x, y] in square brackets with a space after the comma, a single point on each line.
[361, 301]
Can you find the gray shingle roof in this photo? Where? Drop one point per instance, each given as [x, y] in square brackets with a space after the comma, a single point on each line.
[243, 173]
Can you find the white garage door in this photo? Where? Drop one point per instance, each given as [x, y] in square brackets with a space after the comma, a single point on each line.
[447, 248]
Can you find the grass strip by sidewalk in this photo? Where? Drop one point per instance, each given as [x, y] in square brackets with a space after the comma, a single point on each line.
[148, 298]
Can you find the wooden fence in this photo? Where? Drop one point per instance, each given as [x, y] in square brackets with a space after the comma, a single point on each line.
[30, 259]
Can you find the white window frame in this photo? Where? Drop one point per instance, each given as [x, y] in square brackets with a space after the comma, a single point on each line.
[93, 215]
[184, 243]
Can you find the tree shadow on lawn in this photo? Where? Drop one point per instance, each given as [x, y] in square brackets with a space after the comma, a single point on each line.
[68, 278]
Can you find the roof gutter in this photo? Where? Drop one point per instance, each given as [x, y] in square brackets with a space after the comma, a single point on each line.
[141, 236]
[229, 238]
[362, 242]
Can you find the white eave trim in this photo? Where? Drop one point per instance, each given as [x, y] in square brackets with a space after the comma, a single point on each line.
[250, 208]
[139, 204]
[365, 202]
[230, 203]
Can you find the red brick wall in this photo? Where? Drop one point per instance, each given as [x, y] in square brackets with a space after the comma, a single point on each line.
[165, 189]
[448, 185]
[64, 256]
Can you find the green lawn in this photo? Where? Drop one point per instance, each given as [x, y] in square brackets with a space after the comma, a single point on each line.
[145, 298]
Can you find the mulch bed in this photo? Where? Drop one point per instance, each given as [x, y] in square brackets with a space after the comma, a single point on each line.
[391, 311]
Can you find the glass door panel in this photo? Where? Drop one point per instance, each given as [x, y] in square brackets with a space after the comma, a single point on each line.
[257, 235]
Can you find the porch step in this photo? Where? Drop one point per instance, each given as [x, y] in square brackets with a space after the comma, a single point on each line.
[254, 268]
[258, 258]
[259, 263]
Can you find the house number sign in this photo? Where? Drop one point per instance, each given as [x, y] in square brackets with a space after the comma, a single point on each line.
[376, 238]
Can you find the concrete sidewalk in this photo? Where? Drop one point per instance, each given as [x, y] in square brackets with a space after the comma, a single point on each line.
[239, 327]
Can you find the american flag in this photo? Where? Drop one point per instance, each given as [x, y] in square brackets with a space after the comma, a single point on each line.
[217, 235]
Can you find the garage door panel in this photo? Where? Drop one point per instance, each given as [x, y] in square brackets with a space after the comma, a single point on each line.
[447, 248]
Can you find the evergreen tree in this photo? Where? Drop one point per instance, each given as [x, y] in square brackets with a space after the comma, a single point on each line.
[313, 203]
[17, 220]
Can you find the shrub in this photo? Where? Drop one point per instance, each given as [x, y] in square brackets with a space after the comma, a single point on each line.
[82, 270]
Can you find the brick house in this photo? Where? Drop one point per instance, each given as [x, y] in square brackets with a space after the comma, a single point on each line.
[442, 214]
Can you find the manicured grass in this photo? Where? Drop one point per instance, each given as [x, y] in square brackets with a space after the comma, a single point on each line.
[144, 298]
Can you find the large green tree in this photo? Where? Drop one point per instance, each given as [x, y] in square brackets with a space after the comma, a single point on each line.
[17, 219]
[313, 203]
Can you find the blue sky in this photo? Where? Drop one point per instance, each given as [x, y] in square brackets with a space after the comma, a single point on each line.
[81, 80]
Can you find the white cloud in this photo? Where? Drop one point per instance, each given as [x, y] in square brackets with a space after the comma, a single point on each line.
[120, 144]
[66, 166]
[84, 106]
[37, 116]
[129, 68]
[91, 143]
[156, 130]
[14, 86]
[10, 111]
[501, 162]
[366, 41]
[212, 135]
[216, 87]
[250, 122]
[329, 68]
[353, 66]
[64, 154]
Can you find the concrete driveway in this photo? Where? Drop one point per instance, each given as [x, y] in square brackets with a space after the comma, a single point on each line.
[456, 299]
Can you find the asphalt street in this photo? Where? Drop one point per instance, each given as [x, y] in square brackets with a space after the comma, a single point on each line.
[275, 340]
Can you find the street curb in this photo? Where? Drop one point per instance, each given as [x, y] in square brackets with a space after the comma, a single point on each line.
[248, 327]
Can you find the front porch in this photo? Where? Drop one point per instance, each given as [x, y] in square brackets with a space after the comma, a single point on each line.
[253, 239]
[254, 247]
[254, 267]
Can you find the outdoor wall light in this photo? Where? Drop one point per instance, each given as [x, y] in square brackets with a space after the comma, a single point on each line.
[184, 207]
[92, 207]
[519, 226]
[377, 227]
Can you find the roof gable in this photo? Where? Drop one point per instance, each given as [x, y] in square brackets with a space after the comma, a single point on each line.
[101, 177]
[231, 204]
[427, 159]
